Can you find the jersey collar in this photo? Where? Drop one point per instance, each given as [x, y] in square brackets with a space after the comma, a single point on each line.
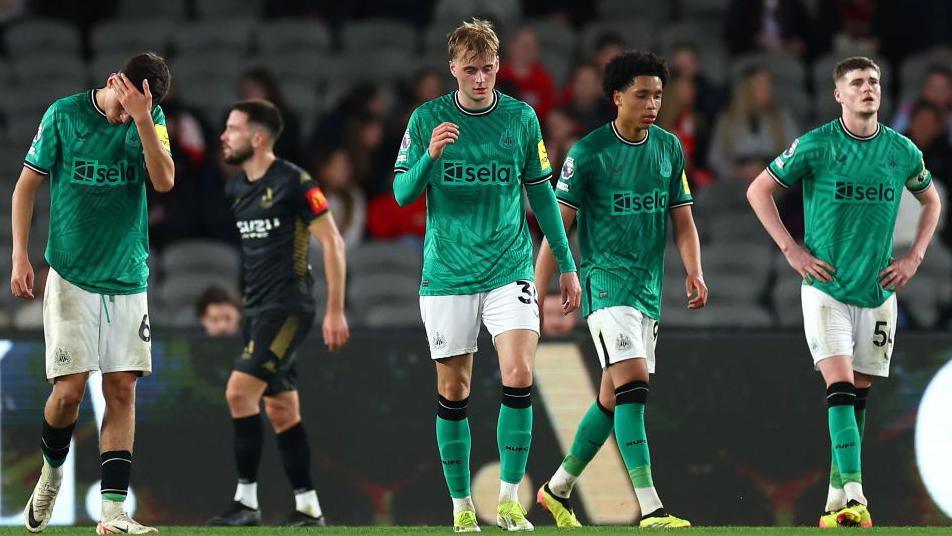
[484, 111]
[92, 100]
[625, 140]
[879, 128]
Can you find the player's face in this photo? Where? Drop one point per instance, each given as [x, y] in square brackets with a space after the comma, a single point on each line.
[859, 91]
[236, 139]
[641, 101]
[220, 320]
[476, 76]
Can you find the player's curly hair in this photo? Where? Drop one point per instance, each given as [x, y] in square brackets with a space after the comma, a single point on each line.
[476, 37]
[623, 68]
[152, 67]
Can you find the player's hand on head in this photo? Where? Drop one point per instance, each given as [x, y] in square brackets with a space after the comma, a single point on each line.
[809, 267]
[696, 291]
[897, 274]
[137, 102]
[336, 331]
[571, 292]
[21, 279]
[443, 135]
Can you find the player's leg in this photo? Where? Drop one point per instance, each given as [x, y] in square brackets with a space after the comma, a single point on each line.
[126, 354]
[71, 330]
[283, 406]
[452, 325]
[595, 428]
[511, 314]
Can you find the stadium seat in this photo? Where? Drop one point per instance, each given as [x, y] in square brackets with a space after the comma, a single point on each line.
[914, 68]
[131, 36]
[295, 65]
[374, 35]
[199, 256]
[385, 257]
[555, 37]
[183, 289]
[214, 64]
[628, 9]
[38, 34]
[219, 9]
[503, 12]
[704, 9]
[558, 64]
[637, 33]
[293, 35]
[138, 10]
[372, 290]
[786, 298]
[227, 36]
[56, 68]
[392, 316]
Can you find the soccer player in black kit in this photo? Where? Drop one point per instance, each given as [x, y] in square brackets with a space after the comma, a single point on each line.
[277, 207]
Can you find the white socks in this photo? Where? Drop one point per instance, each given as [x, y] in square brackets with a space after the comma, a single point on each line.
[463, 505]
[508, 492]
[247, 494]
[648, 500]
[111, 509]
[307, 503]
[562, 483]
[835, 499]
[854, 492]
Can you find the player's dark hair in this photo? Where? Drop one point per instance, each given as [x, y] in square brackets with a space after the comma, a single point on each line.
[262, 113]
[623, 68]
[152, 67]
[853, 63]
[214, 296]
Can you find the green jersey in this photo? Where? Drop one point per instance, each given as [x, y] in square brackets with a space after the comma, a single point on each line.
[98, 215]
[623, 191]
[851, 191]
[477, 238]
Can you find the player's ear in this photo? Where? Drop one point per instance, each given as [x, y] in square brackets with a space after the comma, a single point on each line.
[836, 95]
[453, 68]
[616, 98]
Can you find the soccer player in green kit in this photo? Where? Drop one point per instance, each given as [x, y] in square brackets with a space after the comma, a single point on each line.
[853, 171]
[473, 151]
[98, 148]
[623, 181]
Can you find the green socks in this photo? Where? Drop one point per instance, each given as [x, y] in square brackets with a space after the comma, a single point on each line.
[630, 432]
[859, 408]
[844, 432]
[592, 433]
[514, 432]
[453, 439]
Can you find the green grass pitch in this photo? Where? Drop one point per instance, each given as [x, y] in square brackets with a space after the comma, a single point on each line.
[550, 531]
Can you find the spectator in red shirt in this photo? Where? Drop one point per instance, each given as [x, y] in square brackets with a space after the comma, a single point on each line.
[523, 71]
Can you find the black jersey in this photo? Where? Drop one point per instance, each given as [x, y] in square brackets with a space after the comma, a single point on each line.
[273, 214]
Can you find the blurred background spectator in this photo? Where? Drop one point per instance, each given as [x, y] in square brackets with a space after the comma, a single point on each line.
[218, 312]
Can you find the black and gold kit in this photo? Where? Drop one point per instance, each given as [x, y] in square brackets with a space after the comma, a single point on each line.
[273, 214]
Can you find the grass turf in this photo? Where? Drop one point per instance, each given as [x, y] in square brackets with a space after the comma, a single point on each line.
[398, 531]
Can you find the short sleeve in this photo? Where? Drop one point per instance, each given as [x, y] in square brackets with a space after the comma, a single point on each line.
[310, 200]
[921, 178]
[537, 168]
[792, 166]
[45, 149]
[679, 192]
[158, 118]
[411, 146]
[571, 187]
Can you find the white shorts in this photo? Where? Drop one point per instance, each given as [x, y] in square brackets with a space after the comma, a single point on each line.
[834, 328]
[621, 333]
[452, 322]
[87, 331]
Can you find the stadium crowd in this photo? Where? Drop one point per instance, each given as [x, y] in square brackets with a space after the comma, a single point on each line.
[747, 77]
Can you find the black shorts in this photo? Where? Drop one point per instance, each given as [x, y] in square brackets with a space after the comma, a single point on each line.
[271, 341]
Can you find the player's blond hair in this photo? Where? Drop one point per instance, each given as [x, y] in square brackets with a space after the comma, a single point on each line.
[475, 38]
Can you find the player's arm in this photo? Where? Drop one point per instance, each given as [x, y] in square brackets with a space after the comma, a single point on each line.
[543, 203]
[336, 331]
[897, 274]
[24, 197]
[546, 265]
[760, 195]
[689, 247]
[409, 185]
[138, 104]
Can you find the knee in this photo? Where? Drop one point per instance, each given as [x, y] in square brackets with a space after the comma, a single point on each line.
[606, 403]
[519, 375]
[68, 397]
[282, 416]
[454, 389]
[120, 392]
[236, 397]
